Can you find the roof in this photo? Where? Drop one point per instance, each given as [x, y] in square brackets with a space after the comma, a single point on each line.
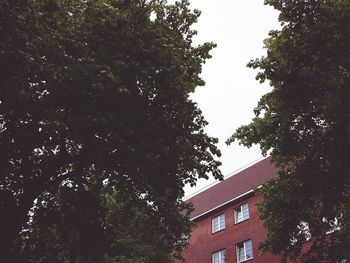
[238, 184]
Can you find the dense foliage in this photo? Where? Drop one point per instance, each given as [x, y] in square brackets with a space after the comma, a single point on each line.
[93, 222]
[304, 123]
[98, 89]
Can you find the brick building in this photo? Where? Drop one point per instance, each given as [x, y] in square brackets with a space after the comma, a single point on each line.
[228, 228]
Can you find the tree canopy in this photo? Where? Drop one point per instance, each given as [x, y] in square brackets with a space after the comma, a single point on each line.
[94, 222]
[304, 123]
[99, 89]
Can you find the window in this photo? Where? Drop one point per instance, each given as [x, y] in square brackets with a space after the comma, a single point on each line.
[219, 256]
[218, 223]
[244, 251]
[241, 213]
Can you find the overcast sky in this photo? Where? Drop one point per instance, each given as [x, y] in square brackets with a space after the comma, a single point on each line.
[231, 91]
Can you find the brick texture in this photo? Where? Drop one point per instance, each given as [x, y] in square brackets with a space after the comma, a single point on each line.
[233, 186]
[208, 204]
[203, 243]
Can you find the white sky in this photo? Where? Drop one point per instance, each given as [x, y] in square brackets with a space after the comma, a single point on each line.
[231, 91]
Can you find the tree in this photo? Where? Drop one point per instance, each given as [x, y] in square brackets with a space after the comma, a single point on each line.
[94, 222]
[304, 123]
[99, 88]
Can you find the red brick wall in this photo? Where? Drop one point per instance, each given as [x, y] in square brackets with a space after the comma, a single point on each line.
[203, 243]
[233, 186]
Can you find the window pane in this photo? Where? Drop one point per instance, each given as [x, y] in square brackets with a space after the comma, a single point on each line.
[223, 256]
[215, 224]
[245, 211]
[240, 252]
[216, 257]
[219, 257]
[222, 222]
[244, 251]
[218, 223]
[238, 214]
[249, 249]
[241, 213]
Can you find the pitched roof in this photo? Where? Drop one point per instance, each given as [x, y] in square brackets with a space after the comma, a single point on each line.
[234, 186]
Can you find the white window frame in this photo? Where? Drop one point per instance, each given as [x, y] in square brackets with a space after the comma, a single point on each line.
[244, 243]
[220, 219]
[221, 254]
[239, 209]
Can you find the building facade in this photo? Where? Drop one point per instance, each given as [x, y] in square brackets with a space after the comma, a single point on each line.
[227, 226]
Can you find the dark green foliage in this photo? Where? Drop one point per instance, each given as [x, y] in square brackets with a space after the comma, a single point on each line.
[95, 223]
[98, 88]
[305, 123]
